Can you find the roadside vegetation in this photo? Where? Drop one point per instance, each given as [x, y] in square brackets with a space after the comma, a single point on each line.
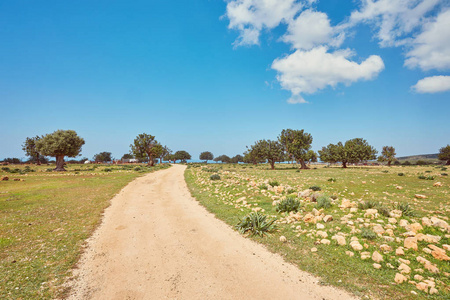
[46, 217]
[370, 230]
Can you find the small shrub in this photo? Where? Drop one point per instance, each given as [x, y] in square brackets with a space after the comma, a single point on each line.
[334, 197]
[263, 186]
[443, 169]
[287, 205]
[406, 209]
[332, 179]
[323, 202]
[421, 177]
[256, 224]
[210, 170]
[427, 171]
[430, 178]
[290, 191]
[367, 204]
[274, 183]
[421, 163]
[401, 174]
[49, 170]
[6, 169]
[444, 174]
[214, 177]
[298, 171]
[385, 171]
[383, 210]
[315, 188]
[107, 170]
[137, 168]
[368, 234]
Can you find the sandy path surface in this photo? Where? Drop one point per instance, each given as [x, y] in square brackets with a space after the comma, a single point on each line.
[157, 242]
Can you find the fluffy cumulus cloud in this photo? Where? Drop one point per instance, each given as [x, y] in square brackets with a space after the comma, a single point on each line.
[249, 17]
[431, 48]
[433, 84]
[312, 28]
[306, 72]
[394, 19]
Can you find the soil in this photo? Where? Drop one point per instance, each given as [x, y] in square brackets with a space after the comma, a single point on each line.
[157, 242]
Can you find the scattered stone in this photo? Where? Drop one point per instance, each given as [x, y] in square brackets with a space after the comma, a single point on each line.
[399, 251]
[436, 222]
[353, 209]
[308, 218]
[371, 212]
[283, 239]
[437, 184]
[325, 242]
[398, 187]
[322, 234]
[389, 265]
[433, 291]
[365, 255]
[314, 249]
[426, 222]
[446, 247]
[422, 286]
[420, 196]
[415, 227]
[395, 213]
[438, 253]
[426, 250]
[428, 238]
[405, 261]
[305, 193]
[411, 243]
[400, 278]
[376, 266]
[432, 268]
[385, 248]
[392, 220]
[377, 257]
[403, 223]
[418, 277]
[320, 226]
[347, 204]
[356, 246]
[404, 268]
[378, 229]
[349, 253]
[339, 239]
[328, 218]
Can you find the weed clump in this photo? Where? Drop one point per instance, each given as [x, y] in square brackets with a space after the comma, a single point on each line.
[107, 170]
[332, 179]
[263, 187]
[287, 205]
[323, 202]
[405, 209]
[256, 223]
[401, 174]
[214, 177]
[367, 204]
[274, 183]
[315, 188]
[368, 234]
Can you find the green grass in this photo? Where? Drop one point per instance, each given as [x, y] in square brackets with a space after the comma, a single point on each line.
[45, 220]
[362, 185]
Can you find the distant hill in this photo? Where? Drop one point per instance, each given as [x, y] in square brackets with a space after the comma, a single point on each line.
[425, 157]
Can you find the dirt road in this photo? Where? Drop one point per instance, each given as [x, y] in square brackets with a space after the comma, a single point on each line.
[157, 242]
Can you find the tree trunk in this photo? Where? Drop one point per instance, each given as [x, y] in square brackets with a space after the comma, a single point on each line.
[389, 163]
[448, 162]
[38, 162]
[59, 163]
[303, 165]
[344, 164]
[272, 164]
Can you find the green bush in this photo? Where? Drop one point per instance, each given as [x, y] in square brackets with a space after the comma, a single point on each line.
[315, 188]
[421, 177]
[401, 174]
[383, 210]
[263, 187]
[107, 170]
[385, 171]
[210, 170]
[256, 223]
[430, 178]
[49, 170]
[323, 202]
[137, 168]
[290, 191]
[6, 169]
[368, 234]
[443, 169]
[274, 183]
[444, 174]
[427, 171]
[287, 205]
[214, 177]
[367, 204]
[332, 179]
[405, 209]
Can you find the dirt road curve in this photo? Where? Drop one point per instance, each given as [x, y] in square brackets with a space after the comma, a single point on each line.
[157, 242]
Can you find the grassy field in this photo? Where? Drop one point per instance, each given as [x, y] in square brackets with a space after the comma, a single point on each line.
[45, 217]
[312, 242]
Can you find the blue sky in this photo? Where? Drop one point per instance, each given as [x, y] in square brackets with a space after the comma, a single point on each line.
[217, 76]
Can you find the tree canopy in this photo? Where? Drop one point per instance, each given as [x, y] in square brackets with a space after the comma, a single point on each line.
[145, 145]
[103, 156]
[237, 159]
[30, 148]
[388, 155]
[181, 155]
[206, 156]
[127, 156]
[296, 143]
[223, 158]
[444, 154]
[353, 151]
[59, 144]
[272, 151]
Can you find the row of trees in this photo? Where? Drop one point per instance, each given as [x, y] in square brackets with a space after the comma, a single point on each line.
[222, 158]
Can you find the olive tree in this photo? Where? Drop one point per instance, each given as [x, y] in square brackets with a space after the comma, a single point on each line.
[102, 157]
[59, 144]
[353, 151]
[387, 154]
[237, 159]
[144, 146]
[181, 155]
[223, 159]
[30, 148]
[297, 144]
[272, 151]
[444, 154]
[164, 153]
[206, 156]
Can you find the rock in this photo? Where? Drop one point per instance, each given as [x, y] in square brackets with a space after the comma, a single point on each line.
[409, 234]
[411, 243]
[399, 251]
[347, 204]
[356, 246]
[426, 221]
[404, 268]
[385, 248]
[376, 266]
[405, 261]
[388, 238]
[377, 257]
[437, 184]
[308, 218]
[305, 193]
[353, 209]
[418, 277]
[314, 249]
[438, 253]
[398, 187]
[378, 229]
[4, 178]
[446, 247]
[315, 212]
[428, 238]
[241, 199]
[322, 234]
[392, 220]
[432, 268]
[415, 227]
[395, 213]
[349, 253]
[420, 196]
[325, 242]
[426, 250]
[339, 239]
[422, 286]
[371, 212]
[365, 255]
[436, 222]
[320, 226]
[403, 223]
[314, 197]
[328, 218]
[283, 239]
[433, 291]
[400, 278]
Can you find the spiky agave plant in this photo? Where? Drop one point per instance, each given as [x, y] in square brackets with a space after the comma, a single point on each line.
[256, 223]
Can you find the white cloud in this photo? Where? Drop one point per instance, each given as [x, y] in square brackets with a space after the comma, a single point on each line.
[310, 29]
[394, 18]
[431, 48]
[252, 16]
[433, 84]
[306, 72]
